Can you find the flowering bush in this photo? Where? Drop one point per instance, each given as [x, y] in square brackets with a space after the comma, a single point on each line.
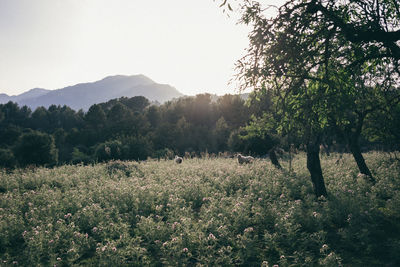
[203, 212]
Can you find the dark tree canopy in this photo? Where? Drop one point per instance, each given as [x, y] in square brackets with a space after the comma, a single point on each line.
[372, 25]
[36, 148]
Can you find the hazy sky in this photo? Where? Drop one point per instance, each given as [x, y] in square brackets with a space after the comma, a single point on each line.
[189, 44]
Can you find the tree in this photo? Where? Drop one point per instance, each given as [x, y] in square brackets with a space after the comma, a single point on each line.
[164, 136]
[357, 96]
[383, 127]
[96, 117]
[36, 148]
[7, 159]
[233, 109]
[9, 135]
[135, 147]
[199, 110]
[373, 25]
[68, 118]
[13, 115]
[235, 142]
[153, 116]
[1, 116]
[136, 103]
[298, 53]
[221, 133]
[54, 118]
[40, 119]
[118, 120]
[183, 138]
[110, 150]
[262, 137]
[64, 150]
[273, 64]
[78, 156]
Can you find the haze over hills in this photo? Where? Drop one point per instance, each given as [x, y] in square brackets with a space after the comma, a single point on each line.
[83, 95]
[33, 93]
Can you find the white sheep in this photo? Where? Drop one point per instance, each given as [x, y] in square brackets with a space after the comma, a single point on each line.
[178, 160]
[244, 159]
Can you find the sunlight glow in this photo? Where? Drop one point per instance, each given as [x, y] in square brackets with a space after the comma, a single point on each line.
[191, 45]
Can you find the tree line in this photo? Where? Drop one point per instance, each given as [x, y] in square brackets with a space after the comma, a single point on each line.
[135, 129]
[124, 128]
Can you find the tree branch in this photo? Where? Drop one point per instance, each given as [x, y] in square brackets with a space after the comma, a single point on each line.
[360, 34]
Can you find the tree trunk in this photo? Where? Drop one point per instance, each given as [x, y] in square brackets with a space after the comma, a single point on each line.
[354, 147]
[358, 157]
[274, 158]
[314, 167]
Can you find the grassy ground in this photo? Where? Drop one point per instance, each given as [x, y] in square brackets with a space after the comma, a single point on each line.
[203, 212]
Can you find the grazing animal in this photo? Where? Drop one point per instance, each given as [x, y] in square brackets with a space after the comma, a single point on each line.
[178, 160]
[244, 159]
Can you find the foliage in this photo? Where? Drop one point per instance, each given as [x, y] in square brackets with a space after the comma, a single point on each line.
[384, 127]
[7, 159]
[163, 154]
[221, 133]
[110, 150]
[203, 212]
[261, 134]
[80, 157]
[311, 57]
[235, 143]
[9, 135]
[191, 124]
[36, 148]
[138, 129]
[135, 148]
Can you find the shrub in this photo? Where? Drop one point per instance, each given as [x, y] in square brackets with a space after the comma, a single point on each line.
[165, 153]
[135, 147]
[7, 159]
[111, 150]
[80, 157]
[36, 148]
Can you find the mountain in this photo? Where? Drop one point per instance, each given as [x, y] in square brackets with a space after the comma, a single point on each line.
[83, 95]
[33, 93]
[4, 98]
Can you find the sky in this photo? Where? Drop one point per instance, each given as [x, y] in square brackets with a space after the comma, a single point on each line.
[191, 45]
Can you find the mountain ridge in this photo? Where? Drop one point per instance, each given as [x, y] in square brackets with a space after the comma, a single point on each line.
[83, 95]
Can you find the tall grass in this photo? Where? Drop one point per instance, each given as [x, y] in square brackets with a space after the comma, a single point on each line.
[203, 212]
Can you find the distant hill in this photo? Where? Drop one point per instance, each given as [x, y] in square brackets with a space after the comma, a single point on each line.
[33, 93]
[83, 95]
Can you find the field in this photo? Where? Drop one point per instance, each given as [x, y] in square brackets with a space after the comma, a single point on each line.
[203, 212]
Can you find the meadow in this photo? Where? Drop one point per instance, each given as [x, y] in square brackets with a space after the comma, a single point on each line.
[203, 212]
